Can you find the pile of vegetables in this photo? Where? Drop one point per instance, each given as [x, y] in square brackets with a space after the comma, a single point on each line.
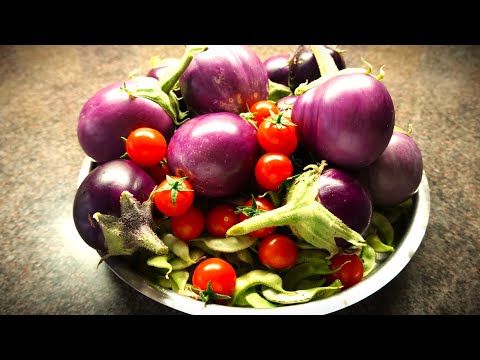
[247, 183]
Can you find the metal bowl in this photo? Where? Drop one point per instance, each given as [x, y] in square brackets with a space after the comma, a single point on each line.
[385, 270]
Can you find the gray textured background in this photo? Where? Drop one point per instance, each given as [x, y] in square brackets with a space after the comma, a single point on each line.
[45, 268]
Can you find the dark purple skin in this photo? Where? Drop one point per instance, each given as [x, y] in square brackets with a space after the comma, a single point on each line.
[303, 66]
[217, 152]
[100, 192]
[224, 78]
[396, 174]
[277, 68]
[345, 197]
[286, 102]
[111, 113]
[347, 121]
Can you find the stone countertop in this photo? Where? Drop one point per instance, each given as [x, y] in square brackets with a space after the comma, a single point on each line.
[45, 266]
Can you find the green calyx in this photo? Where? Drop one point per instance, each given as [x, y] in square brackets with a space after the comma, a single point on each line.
[174, 186]
[304, 215]
[250, 210]
[328, 69]
[161, 91]
[208, 295]
[134, 229]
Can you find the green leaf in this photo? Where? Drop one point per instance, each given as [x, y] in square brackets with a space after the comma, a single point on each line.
[254, 278]
[300, 296]
[277, 91]
[303, 271]
[195, 255]
[376, 243]
[161, 262]
[252, 298]
[384, 227]
[227, 245]
[368, 258]
[179, 279]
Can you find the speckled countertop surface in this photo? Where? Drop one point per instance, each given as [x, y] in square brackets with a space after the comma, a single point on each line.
[45, 267]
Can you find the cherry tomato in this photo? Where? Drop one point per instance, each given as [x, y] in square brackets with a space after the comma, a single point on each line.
[220, 218]
[159, 172]
[261, 110]
[189, 225]
[350, 274]
[174, 195]
[146, 146]
[272, 169]
[249, 209]
[278, 251]
[219, 274]
[278, 135]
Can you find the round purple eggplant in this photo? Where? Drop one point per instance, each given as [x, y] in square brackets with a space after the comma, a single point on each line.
[286, 103]
[304, 67]
[347, 121]
[345, 197]
[112, 113]
[396, 174]
[277, 68]
[100, 192]
[224, 78]
[217, 152]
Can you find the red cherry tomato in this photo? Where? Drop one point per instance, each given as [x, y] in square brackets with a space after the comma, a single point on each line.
[220, 218]
[174, 196]
[261, 110]
[189, 225]
[159, 172]
[350, 274]
[277, 136]
[219, 273]
[146, 146]
[272, 169]
[278, 251]
[250, 209]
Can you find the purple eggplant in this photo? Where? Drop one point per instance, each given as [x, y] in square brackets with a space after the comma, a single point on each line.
[304, 67]
[111, 113]
[277, 68]
[217, 152]
[348, 120]
[100, 192]
[286, 103]
[342, 194]
[118, 109]
[224, 78]
[396, 174]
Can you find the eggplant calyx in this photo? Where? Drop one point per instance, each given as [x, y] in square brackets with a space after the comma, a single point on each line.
[134, 228]
[162, 90]
[277, 91]
[304, 215]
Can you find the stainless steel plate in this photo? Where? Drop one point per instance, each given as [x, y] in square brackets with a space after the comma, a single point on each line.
[384, 272]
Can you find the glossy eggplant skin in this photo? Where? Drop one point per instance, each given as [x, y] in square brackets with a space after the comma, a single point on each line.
[100, 192]
[286, 102]
[344, 196]
[396, 174]
[112, 113]
[347, 121]
[278, 68]
[224, 78]
[217, 152]
[303, 66]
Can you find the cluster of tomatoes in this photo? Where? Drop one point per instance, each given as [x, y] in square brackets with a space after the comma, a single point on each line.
[174, 197]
